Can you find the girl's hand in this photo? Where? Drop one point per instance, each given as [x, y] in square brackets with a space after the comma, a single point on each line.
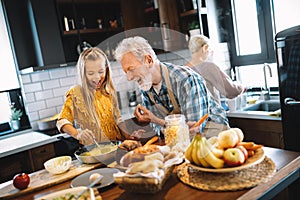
[86, 137]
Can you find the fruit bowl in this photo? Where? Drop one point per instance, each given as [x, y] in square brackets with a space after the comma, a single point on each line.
[257, 158]
[58, 165]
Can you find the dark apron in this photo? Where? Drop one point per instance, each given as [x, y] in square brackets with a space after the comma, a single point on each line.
[163, 111]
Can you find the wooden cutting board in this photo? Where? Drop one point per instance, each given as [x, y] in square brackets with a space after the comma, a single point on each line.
[43, 179]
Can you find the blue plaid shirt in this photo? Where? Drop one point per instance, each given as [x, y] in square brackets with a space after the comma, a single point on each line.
[191, 95]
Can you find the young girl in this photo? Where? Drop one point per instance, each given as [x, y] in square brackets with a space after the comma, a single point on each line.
[90, 112]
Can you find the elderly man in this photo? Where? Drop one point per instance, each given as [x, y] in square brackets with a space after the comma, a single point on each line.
[167, 89]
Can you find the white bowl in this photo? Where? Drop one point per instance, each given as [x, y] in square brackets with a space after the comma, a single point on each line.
[58, 165]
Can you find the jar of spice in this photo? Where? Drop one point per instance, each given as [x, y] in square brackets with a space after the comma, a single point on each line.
[177, 132]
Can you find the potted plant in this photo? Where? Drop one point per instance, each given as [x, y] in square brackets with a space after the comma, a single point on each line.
[15, 117]
[194, 28]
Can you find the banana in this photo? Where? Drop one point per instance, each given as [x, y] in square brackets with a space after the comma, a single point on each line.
[188, 152]
[200, 156]
[218, 152]
[209, 156]
[195, 151]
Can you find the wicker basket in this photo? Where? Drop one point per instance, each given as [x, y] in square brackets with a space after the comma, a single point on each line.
[229, 181]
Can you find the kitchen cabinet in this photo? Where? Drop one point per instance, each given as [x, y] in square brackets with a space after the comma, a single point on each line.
[38, 32]
[39, 155]
[90, 21]
[11, 165]
[208, 15]
[22, 37]
[26, 161]
[193, 15]
[159, 17]
[35, 33]
[266, 132]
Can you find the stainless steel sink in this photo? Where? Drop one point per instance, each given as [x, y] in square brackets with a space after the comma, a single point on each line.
[266, 106]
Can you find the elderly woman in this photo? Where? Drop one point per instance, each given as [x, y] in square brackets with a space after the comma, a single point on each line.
[217, 82]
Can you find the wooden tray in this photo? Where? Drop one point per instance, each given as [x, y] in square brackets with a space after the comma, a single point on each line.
[43, 179]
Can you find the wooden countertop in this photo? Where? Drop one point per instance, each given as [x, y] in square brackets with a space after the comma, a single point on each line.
[287, 166]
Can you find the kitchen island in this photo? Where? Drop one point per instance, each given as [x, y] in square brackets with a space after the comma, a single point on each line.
[287, 172]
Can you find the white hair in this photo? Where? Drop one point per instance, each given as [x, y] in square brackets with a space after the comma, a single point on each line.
[137, 45]
[196, 42]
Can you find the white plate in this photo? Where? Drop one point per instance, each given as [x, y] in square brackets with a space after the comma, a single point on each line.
[83, 179]
[257, 158]
[60, 193]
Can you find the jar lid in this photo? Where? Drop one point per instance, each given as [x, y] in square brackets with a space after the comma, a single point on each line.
[174, 119]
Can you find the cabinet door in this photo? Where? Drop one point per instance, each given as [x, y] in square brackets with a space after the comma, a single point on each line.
[14, 164]
[169, 20]
[266, 132]
[41, 154]
[48, 32]
[35, 33]
[21, 33]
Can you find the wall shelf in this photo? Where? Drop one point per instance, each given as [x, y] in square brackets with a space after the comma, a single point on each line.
[188, 13]
[93, 30]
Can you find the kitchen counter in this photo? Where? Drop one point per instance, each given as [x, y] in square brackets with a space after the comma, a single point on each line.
[29, 139]
[25, 140]
[252, 115]
[287, 171]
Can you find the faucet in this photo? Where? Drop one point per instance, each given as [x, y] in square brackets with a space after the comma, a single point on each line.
[267, 95]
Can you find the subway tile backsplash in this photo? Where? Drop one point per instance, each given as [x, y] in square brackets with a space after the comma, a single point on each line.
[44, 90]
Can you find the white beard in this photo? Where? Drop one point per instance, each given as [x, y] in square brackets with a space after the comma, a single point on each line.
[146, 86]
[147, 83]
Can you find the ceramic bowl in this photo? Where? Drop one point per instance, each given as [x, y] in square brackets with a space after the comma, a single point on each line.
[58, 165]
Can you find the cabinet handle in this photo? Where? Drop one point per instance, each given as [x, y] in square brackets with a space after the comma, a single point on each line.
[43, 151]
[291, 102]
[165, 31]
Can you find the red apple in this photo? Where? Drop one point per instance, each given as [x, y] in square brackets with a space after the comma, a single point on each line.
[244, 150]
[233, 157]
[21, 181]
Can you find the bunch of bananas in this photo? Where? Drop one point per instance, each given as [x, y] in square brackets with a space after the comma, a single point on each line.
[201, 152]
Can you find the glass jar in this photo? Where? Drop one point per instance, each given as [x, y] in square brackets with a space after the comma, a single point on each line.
[177, 132]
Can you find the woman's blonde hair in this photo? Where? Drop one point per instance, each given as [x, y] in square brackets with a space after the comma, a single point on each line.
[107, 87]
[196, 42]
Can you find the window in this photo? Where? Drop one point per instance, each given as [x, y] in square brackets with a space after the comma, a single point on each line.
[8, 74]
[252, 26]
[286, 14]
[5, 109]
[245, 25]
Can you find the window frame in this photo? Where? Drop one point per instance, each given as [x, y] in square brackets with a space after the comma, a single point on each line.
[266, 27]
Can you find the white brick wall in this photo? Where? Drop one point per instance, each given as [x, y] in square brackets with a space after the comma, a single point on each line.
[45, 90]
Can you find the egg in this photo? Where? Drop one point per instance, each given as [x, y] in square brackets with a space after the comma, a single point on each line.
[94, 176]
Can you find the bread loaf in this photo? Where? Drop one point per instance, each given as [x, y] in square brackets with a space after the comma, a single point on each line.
[138, 154]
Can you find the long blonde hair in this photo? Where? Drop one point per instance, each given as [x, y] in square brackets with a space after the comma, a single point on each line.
[107, 87]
